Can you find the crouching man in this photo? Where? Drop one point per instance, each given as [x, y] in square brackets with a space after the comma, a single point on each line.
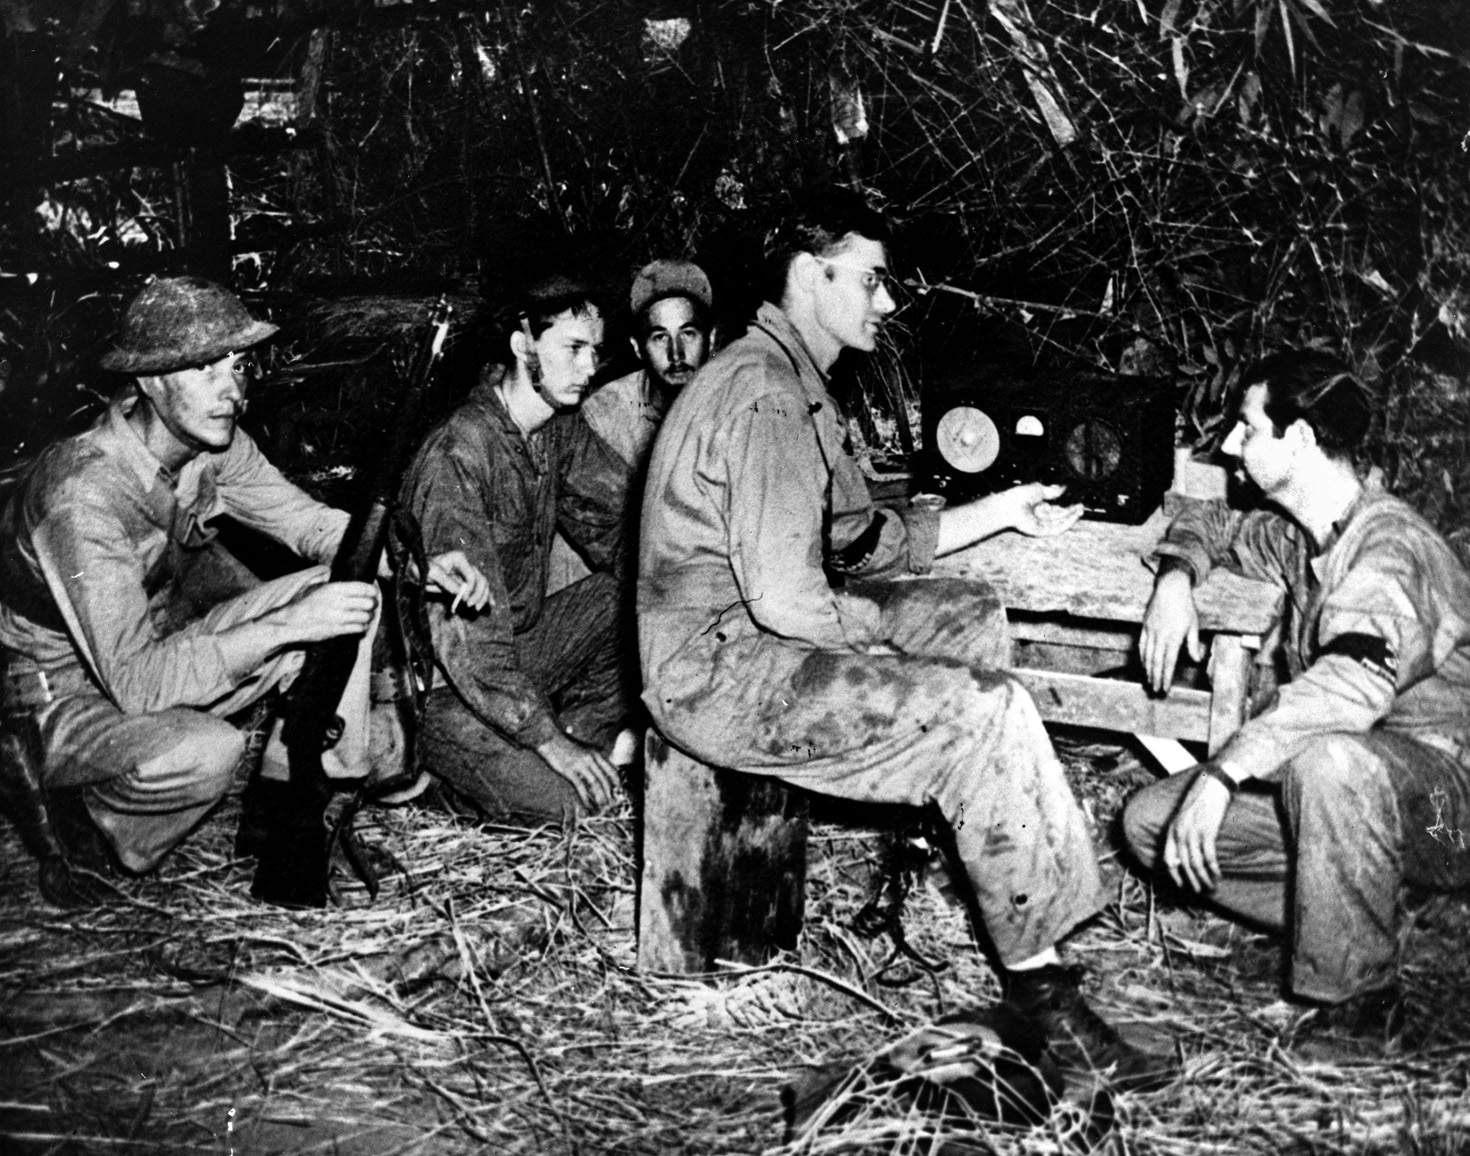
[881, 690]
[1355, 780]
[128, 634]
[533, 692]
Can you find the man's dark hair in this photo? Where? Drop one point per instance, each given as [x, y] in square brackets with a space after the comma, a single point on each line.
[1320, 390]
[545, 298]
[819, 225]
[703, 316]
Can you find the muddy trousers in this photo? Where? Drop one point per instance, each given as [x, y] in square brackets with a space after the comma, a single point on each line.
[1323, 851]
[575, 654]
[149, 778]
[932, 722]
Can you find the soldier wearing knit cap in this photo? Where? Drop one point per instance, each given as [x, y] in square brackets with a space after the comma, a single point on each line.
[671, 303]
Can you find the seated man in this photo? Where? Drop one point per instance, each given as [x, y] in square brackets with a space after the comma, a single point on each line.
[874, 689]
[533, 690]
[671, 303]
[128, 634]
[1355, 780]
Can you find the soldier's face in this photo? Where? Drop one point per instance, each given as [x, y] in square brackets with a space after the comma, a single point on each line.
[851, 299]
[1265, 456]
[200, 406]
[569, 352]
[673, 345]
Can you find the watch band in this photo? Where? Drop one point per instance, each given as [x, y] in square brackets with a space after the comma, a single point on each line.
[1220, 775]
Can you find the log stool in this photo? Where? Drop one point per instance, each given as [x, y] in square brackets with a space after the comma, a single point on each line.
[724, 864]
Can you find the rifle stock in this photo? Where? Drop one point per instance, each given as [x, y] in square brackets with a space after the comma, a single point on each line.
[293, 863]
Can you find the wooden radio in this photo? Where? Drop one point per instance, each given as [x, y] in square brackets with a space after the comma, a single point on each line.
[1109, 439]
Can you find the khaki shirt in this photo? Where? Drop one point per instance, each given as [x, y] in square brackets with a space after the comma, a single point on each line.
[1377, 626]
[752, 498]
[626, 414]
[94, 535]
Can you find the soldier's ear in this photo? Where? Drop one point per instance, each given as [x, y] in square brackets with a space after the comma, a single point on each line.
[518, 344]
[637, 347]
[150, 388]
[1302, 430]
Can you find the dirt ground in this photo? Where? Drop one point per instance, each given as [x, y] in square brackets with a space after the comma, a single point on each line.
[486, 1001]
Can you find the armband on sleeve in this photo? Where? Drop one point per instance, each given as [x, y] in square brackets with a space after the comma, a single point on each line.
[1369, 651]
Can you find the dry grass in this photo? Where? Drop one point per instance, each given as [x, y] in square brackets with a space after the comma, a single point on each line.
[487, 1002]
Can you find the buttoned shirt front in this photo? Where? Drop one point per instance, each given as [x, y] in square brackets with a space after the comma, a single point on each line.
[94, 535]
[1377, 628]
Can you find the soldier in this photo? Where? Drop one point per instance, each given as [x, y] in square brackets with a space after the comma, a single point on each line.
[533, 690]
[128, 634]
[872, 689]
[671, 303]
[1355, 779]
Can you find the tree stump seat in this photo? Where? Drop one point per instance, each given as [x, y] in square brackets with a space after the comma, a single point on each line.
[723, 863]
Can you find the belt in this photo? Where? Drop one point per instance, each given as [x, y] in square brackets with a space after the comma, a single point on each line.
[23, 692]
[25, 687]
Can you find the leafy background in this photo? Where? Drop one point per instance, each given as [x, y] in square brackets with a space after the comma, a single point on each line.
[1150, 187]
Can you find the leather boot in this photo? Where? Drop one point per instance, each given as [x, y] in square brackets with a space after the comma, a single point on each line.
[22, 798]
[84, 874]
[1079, 1039]
[75, 863]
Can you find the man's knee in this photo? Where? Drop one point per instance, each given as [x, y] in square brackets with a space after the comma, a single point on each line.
[1330, 768]
[198, 766]
[1144, 819]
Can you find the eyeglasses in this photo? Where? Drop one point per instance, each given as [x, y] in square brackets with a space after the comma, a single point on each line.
[870, 278]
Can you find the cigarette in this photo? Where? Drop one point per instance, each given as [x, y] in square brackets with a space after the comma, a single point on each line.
[453, 606]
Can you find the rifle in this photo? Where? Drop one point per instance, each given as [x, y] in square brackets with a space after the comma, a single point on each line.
[293, 862]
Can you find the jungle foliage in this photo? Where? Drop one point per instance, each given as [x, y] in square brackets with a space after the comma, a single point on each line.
[1150, 186]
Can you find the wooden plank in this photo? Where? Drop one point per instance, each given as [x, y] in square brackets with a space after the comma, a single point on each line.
[724, 864]
[1096, 570]
[1120, 706]
[1230, 664]
[1067, 631]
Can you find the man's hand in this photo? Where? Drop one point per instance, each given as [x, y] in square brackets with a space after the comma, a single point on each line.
[1032, 510]
[591, 774]
[1169, 622]
[455, 576]
[451, 574]
[1189, 846]
[328, 611]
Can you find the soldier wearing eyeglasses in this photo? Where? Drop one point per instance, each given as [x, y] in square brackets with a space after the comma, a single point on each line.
[129, 636]
[776, 639]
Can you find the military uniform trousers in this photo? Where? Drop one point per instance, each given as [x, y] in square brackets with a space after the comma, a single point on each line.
[150, 777]
[928, 718]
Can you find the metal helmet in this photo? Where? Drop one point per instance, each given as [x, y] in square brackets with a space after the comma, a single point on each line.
[178, 321]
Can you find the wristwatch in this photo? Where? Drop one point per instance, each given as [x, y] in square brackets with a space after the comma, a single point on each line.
[1221, 775]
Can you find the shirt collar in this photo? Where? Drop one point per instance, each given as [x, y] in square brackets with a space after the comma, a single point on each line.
[773, 319]
[1369, 492]
[126, 442]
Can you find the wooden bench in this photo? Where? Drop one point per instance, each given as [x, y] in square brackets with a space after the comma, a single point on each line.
[1076, 603]
[724, 854]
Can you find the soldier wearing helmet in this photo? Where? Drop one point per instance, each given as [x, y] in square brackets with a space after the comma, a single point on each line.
[128, 635]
